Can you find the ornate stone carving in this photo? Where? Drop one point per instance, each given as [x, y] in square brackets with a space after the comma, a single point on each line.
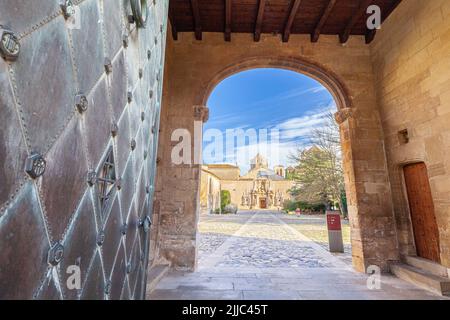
[201, 113]
[343, 115]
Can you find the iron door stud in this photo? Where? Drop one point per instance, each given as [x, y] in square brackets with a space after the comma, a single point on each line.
[35, 165]
[9, 44]
[55, 254]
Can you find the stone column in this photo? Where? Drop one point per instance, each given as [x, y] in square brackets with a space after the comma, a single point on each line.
[374, 240]
[180, 195]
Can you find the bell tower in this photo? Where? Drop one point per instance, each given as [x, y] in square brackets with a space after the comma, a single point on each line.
[259, 162]
[280, 170]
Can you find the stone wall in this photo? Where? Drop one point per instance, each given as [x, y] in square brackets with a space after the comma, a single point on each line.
[210, 187]
[73, 95]
[195, 67]
[411, 62]
[225, 172]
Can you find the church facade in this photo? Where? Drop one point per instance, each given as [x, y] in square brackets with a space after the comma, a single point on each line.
[260, 188]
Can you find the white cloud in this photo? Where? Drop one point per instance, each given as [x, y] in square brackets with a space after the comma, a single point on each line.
[294, 133]
[301, 127]
[287, 95]
[224, 119]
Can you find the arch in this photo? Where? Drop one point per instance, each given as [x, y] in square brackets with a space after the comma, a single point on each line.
[198, 82]
[340, 94]
[327, 78]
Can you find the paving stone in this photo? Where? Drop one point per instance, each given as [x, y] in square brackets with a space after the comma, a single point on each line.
[271, 295]
[262, 256]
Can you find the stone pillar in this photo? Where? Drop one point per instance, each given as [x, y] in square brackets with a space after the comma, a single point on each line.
[180, 203]
[374, 240]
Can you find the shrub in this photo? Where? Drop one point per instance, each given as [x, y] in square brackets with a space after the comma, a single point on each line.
[225, 199]
[289, 205]
[304, 206]
[230, 209]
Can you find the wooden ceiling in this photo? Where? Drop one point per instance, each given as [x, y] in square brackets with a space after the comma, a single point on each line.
[314, 17]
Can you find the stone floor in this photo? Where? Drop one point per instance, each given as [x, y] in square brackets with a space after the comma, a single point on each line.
[263, 256]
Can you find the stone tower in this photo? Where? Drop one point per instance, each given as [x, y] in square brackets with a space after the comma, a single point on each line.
[280, 170]
[259, 162]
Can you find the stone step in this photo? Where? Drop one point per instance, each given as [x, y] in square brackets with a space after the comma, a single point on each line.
[155, 275]
[421, 278]
[427, 265]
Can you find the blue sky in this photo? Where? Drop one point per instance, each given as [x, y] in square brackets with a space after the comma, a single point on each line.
[267, 99]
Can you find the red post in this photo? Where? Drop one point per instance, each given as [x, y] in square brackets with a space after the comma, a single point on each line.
[334, 226]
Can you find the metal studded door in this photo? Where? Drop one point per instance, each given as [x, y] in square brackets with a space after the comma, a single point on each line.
[80, 93]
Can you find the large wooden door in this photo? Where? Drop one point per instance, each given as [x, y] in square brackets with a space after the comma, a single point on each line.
[421, 205]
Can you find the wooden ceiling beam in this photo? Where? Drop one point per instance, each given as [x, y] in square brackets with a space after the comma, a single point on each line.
[323, 19]
[394, 5]
[173, 24]
[290, 20]
[345, 35]
[197, 21]
[259, 20]
[204, 16]
[227, 20]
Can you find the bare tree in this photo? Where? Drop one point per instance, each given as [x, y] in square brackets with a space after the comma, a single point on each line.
[319, 172]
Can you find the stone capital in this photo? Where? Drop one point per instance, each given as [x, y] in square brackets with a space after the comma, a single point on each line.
[201, 113]
[343, 115]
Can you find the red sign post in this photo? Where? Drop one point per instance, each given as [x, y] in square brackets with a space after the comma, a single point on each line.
[334, 221]
[334, 226]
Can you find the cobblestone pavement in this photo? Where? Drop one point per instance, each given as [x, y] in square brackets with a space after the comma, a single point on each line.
[264, 255]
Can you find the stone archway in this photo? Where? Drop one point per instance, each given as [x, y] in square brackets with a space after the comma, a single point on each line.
[344, 117]
[374, 239]
[325, 77]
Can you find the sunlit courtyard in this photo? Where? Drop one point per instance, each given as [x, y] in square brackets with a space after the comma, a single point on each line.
[258, 255]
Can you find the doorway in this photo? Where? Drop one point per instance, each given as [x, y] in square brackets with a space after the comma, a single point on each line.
[263, 203]
[426, 232]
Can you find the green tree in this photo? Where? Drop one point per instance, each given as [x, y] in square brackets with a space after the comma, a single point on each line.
[290, 175]
[225, 199]
[319, 174]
